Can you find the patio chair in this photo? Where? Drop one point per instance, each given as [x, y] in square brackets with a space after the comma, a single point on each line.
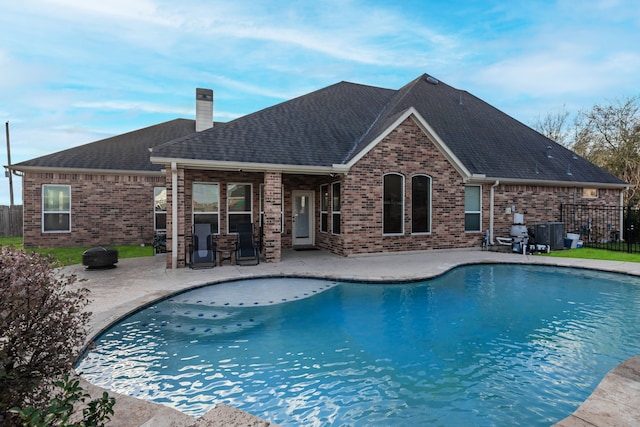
[247, 252]
[160, 242]
[203, 248]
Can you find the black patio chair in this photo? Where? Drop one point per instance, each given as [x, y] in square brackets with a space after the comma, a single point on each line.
[160, 242]
[247, 252]
[203, 247]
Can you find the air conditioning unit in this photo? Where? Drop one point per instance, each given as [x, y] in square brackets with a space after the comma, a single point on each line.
[550, 233]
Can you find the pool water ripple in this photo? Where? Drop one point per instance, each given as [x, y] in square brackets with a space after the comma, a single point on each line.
[481, 345]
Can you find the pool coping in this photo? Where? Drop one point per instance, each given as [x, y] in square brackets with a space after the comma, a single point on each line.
[143, 281]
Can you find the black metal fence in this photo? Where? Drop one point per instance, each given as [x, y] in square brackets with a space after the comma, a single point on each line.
[605, 227]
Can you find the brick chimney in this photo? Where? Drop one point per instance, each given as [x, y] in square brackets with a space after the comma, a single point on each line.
[204, 109]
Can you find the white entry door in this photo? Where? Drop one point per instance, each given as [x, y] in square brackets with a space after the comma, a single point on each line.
[303, 218]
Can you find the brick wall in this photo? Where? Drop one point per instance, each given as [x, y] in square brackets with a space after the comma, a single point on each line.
[406, 151]
[540, 203]
[105, 209]
[272, 216]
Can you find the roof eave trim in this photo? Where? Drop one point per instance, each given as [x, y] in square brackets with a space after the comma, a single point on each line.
[52, 169]
[482, 179]
[252, 167]
[427, 129]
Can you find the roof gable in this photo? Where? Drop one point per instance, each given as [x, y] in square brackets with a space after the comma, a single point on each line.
[484, 140]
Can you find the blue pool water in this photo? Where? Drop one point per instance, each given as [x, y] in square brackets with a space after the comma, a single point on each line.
[482, 345]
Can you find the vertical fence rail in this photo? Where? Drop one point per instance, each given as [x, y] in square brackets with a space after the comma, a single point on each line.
[10, 221]
[604, 227]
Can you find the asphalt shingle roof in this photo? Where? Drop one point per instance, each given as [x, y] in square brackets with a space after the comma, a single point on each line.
[332, 125]
[318, 129]
[129, 151]
[486, 140]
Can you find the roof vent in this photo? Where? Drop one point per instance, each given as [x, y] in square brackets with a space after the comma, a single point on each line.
[569, 169]
[432, 80]
[549, 151]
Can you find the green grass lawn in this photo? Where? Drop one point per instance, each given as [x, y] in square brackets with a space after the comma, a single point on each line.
[70, 256]
[591, 253]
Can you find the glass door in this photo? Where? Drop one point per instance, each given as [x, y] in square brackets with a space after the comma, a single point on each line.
[302, 211]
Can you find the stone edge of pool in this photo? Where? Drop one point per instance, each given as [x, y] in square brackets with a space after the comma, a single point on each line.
[142, 281]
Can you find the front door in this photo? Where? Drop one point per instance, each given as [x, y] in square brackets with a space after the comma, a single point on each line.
[303, 218]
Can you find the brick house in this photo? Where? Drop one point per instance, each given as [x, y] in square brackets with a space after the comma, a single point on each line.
[106, 192]
[350, 168]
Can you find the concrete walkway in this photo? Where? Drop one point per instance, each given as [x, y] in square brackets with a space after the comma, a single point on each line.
[139, 281]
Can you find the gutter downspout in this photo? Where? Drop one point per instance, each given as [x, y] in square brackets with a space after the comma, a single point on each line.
[174, 215]
[491, 211]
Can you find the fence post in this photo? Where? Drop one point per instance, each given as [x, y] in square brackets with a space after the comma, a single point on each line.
[628, 227]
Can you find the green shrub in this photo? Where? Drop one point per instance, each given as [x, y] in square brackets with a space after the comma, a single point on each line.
[60, 410]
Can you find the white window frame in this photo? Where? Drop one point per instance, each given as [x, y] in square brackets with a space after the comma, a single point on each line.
[324, 211]
[336, 213]
[479, 212]
[193, 213]
[245, 212]
[156, 211]
[429, 211]
[54, 212]
[402, 198]
[589, 193]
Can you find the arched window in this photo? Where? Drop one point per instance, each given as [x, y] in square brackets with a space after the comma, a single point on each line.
[393, 201]
[421, 204]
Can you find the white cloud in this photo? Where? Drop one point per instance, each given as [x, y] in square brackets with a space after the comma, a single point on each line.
[545, 74]
[134, 10]
[114, 105]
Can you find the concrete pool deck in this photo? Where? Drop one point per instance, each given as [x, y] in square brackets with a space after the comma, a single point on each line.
[139, 281]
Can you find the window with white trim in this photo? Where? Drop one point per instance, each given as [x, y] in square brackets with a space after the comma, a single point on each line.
[590, 193]
[206, 205]
[335, 208]
[324, 208]
[472, 208]
[239, 206]
[420, 204]
[160, 208]
[393, 204]
[56, 208]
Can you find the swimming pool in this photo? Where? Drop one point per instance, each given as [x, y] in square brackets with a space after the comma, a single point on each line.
[481, 345]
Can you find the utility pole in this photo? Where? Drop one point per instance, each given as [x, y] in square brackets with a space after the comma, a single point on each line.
[9, 173]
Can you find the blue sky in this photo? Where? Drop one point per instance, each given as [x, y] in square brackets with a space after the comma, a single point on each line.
[75, 71]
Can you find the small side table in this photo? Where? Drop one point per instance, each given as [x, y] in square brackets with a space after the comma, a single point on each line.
[225, 255]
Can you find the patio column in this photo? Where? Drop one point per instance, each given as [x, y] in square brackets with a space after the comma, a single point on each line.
[272, 216]
[175, 217]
